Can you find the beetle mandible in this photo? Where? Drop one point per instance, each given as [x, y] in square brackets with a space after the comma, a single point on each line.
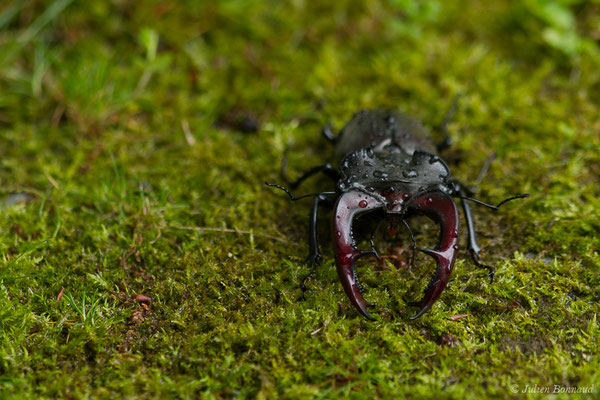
[388, 160]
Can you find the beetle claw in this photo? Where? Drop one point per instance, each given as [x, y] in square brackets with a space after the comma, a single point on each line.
[347, 208]
[437, 206]
[441, 209]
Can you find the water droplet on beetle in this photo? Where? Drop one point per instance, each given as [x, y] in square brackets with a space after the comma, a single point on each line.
[429, 200]
[363, 204]
[380, 174]
[455, 247]
[410, 174]
[338, 234]
[454, 233]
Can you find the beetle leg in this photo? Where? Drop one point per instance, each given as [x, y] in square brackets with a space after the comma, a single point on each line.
[327, 169]
[443, 127]
[464, 192]
[327, 131]
[412, 236]
[371, 241]
[473, 247]
[314, 254]
[373, 250]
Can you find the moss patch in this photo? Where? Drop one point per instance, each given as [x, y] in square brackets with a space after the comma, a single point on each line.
[135, 138]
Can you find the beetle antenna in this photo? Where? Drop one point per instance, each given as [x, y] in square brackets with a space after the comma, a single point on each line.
[292, 197]
[518, 196]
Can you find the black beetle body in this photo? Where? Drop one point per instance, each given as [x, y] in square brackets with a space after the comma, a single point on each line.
[381, 148]
[378, 128]
[388, 161]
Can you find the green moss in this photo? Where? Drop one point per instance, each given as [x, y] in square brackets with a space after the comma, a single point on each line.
[124, 171]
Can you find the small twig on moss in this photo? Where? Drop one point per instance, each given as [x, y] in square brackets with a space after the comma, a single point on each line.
[60, 293]
[189, 137]
[157, 236]
[512, 306]
[131, 252]
[52, 181]
[238, 231]
[458, 316]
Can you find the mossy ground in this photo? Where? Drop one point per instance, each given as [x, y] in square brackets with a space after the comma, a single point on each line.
[125, 170]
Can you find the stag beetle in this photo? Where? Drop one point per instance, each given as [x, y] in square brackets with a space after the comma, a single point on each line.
[389, 161]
